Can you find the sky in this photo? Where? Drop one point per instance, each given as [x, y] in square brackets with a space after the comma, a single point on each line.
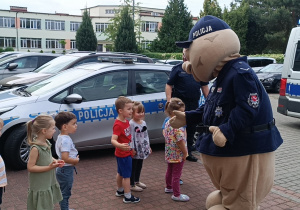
[73, 7]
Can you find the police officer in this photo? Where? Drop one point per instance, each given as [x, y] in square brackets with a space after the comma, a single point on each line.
[184, 86]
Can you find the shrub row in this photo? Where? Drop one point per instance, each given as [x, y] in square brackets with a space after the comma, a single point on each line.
[164, 56]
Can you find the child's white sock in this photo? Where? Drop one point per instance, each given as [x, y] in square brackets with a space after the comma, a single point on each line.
[120, 189]
[127, 195]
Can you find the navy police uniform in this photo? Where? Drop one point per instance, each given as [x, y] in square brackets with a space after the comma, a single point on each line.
[187, 89]
[239, 105]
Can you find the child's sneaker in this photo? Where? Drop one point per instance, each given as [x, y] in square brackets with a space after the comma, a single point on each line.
[182, 197]
[136, 188]
[119, 194]
[131, 200]
[168, 190]
[140, 184]
[180, 182]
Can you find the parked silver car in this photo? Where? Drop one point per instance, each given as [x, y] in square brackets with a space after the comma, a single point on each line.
[85, 90]
[62, 63]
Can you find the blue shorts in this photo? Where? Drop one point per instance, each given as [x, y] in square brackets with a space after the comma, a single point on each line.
[124, 166]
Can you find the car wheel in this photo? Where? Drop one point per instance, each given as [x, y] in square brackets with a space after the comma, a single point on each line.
[16, 149]
[277, 87]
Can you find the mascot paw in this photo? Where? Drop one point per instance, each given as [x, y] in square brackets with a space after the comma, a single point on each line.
[218, 137]
[178, 120]
[213, 199]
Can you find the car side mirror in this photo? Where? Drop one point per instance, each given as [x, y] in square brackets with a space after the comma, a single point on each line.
[11, 66]
[73, 98]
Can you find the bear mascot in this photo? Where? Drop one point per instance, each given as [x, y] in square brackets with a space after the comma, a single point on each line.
[239, 135]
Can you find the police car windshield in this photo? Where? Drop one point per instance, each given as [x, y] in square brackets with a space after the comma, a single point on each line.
[52, 83]
[55, 65]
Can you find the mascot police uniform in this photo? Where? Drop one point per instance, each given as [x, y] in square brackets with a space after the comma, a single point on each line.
[239, 133]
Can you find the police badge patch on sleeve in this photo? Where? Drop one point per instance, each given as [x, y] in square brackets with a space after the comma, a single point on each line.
[253, 100]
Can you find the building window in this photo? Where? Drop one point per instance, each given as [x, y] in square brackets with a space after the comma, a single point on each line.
[146, 44]
[73, 44]
[110, 11]
[7, 22]
[31, 43]
[7, 42]
[101, 27]
[74, 26]
[30, 23]
[57, 25]
[54, 43]
[149, 26]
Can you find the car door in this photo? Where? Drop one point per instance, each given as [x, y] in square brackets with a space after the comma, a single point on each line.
[96, 113]
[25, 64]
[149, 88]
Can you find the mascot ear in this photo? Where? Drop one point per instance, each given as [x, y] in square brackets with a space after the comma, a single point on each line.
[187, 67]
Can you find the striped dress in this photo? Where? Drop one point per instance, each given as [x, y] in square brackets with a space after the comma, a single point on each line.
[3, 180]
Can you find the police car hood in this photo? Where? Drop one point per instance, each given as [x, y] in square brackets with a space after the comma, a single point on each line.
[23, 79]
[262, 75]
[9, 98]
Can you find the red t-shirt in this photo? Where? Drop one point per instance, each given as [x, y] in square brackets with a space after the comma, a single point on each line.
[122, 130]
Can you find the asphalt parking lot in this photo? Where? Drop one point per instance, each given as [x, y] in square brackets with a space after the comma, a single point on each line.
[94, 185]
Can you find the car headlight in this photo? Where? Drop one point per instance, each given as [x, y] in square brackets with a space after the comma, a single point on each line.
[269, 79]
[6, 109]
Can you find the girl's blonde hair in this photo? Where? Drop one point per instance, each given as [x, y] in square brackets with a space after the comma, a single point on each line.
[138, 107]
[174, 104]
[36, 125]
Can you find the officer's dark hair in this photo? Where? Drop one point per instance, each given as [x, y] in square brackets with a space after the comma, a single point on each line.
[63, 118]
[174, 104]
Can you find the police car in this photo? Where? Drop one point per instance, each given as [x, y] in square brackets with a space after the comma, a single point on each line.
[89, 91]
[289, 94]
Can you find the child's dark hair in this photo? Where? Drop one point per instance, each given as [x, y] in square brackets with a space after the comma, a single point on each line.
[63, 118]
[138, 107]
[121, 102]
[36, 125]
[174, 104]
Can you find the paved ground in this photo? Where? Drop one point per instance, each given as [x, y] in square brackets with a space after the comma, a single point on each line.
[94, 186]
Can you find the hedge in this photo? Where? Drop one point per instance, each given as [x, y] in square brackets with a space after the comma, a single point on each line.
[164, 56]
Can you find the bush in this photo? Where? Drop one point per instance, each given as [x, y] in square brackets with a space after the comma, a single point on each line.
[1, 50]
[28, 50]
[164, 56]
[8, 49]
[41, 51]
[64, 51]
[53, 51]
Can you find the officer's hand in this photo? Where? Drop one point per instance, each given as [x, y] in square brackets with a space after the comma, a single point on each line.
[178, 120]
[217, 135]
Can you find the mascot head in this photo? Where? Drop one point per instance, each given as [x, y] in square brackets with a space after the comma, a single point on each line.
[211, 45]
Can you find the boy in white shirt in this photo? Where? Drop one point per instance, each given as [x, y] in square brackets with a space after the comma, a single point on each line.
[66, 122]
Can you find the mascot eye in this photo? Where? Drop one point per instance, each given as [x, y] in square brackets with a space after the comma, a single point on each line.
[212, 38]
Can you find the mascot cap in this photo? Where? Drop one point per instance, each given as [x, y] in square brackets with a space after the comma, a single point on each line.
[205, 25]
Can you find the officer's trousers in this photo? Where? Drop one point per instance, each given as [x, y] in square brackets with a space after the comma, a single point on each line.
[243, 181]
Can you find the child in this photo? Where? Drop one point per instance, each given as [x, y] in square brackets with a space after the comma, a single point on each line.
[175, 151]
[140, 143]
[3, 180]
[44, 190]
[66, 122]
[121, 139]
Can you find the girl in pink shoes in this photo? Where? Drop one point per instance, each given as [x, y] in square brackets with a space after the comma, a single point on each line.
[140, 143]
[175, 151]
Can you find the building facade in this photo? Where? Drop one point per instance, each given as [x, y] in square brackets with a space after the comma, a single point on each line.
[46, 32]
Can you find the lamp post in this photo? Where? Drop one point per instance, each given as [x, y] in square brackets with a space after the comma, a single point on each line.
[17, 41]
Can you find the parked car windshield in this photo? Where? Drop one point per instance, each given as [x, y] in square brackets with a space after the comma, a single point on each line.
[55, 65]
[7, 58]
[272, 68]
[56, 81]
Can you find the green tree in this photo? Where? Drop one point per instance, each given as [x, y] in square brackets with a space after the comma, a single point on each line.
[176, 25]
[85, 36]
[112, 29]
[125, 38]
[211, 7]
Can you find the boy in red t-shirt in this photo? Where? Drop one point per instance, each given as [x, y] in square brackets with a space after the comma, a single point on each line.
[121, 139]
